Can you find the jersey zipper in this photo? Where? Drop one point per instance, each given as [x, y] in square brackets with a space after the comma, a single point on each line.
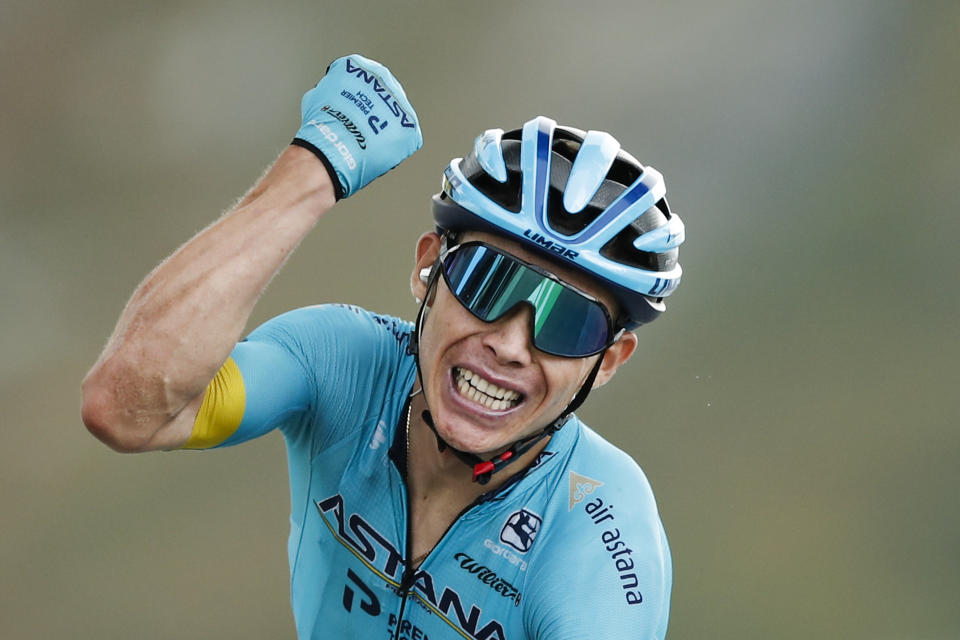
[409, 571]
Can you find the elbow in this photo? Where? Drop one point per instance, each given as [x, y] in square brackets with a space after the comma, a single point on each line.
[107, 419]
[97, 420]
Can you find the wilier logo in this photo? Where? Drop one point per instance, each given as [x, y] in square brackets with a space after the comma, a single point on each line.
[520, 530]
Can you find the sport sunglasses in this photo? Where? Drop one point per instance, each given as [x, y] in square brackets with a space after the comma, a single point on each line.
[490, 283]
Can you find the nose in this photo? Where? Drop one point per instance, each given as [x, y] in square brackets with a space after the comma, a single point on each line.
[509, 338]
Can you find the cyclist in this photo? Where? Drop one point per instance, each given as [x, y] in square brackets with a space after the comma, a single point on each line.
[441, 486]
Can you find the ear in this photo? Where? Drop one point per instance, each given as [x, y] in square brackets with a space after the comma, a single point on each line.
[618, 353]
[428, 248]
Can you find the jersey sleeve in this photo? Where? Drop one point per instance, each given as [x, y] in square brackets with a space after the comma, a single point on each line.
[302, 372]
[610, 572]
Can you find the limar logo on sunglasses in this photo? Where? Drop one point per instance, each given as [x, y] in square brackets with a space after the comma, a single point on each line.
[550, 245]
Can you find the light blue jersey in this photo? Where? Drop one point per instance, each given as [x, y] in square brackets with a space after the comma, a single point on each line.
[573, 548]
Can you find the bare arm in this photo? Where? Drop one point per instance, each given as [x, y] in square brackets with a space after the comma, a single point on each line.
[182, 322]
[144, 391]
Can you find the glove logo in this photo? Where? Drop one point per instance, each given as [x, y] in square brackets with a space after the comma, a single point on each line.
[352, 129]
[377, 128]
[381, 90]
[335, 140]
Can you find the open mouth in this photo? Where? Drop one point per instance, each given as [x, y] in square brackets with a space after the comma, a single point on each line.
[483, 391]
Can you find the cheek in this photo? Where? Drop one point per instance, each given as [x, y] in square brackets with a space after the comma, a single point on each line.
[564, 379]
[443, 327]
[448, 320]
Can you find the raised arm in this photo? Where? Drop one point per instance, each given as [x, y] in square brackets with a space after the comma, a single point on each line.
[183, 320]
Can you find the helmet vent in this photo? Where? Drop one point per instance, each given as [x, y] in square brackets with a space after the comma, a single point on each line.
[625, 170]
[566, 148]
[560, 219]
[506, 194]
[621, 249]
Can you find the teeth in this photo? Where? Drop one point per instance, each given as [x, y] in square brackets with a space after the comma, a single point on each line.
[483, 391]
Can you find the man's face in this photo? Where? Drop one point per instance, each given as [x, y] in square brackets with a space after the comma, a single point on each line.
[486, 384]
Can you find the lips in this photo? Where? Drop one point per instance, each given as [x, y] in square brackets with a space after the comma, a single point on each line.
[484, 392]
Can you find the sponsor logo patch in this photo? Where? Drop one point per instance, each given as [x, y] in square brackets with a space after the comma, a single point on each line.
[489, 577]
[520, 530]
[580, 487]
[506, 554]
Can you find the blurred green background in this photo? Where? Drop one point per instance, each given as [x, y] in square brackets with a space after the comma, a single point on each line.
[795, 410]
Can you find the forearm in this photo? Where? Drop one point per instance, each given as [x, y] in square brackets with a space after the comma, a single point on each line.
[183, 320]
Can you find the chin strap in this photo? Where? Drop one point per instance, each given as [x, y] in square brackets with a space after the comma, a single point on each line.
[483, 469]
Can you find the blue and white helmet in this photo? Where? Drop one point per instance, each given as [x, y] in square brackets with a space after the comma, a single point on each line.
[577, 198]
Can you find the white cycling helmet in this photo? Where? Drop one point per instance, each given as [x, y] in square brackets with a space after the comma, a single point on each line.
[577, 198]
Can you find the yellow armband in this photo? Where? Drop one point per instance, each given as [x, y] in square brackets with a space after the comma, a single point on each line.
[222, 410]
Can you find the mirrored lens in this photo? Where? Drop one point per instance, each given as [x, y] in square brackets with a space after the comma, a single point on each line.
[490, 284]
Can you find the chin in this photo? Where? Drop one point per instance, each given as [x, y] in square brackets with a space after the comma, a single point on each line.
[476, 443]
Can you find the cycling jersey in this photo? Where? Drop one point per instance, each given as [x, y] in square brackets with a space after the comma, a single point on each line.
[571, 547]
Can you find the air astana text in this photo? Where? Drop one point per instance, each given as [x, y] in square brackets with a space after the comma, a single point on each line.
[361, 537]
[619, 551]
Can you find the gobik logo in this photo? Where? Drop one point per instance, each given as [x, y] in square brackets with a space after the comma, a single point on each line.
[520, 530]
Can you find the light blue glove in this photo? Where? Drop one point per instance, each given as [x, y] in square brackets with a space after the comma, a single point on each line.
[358, 121]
